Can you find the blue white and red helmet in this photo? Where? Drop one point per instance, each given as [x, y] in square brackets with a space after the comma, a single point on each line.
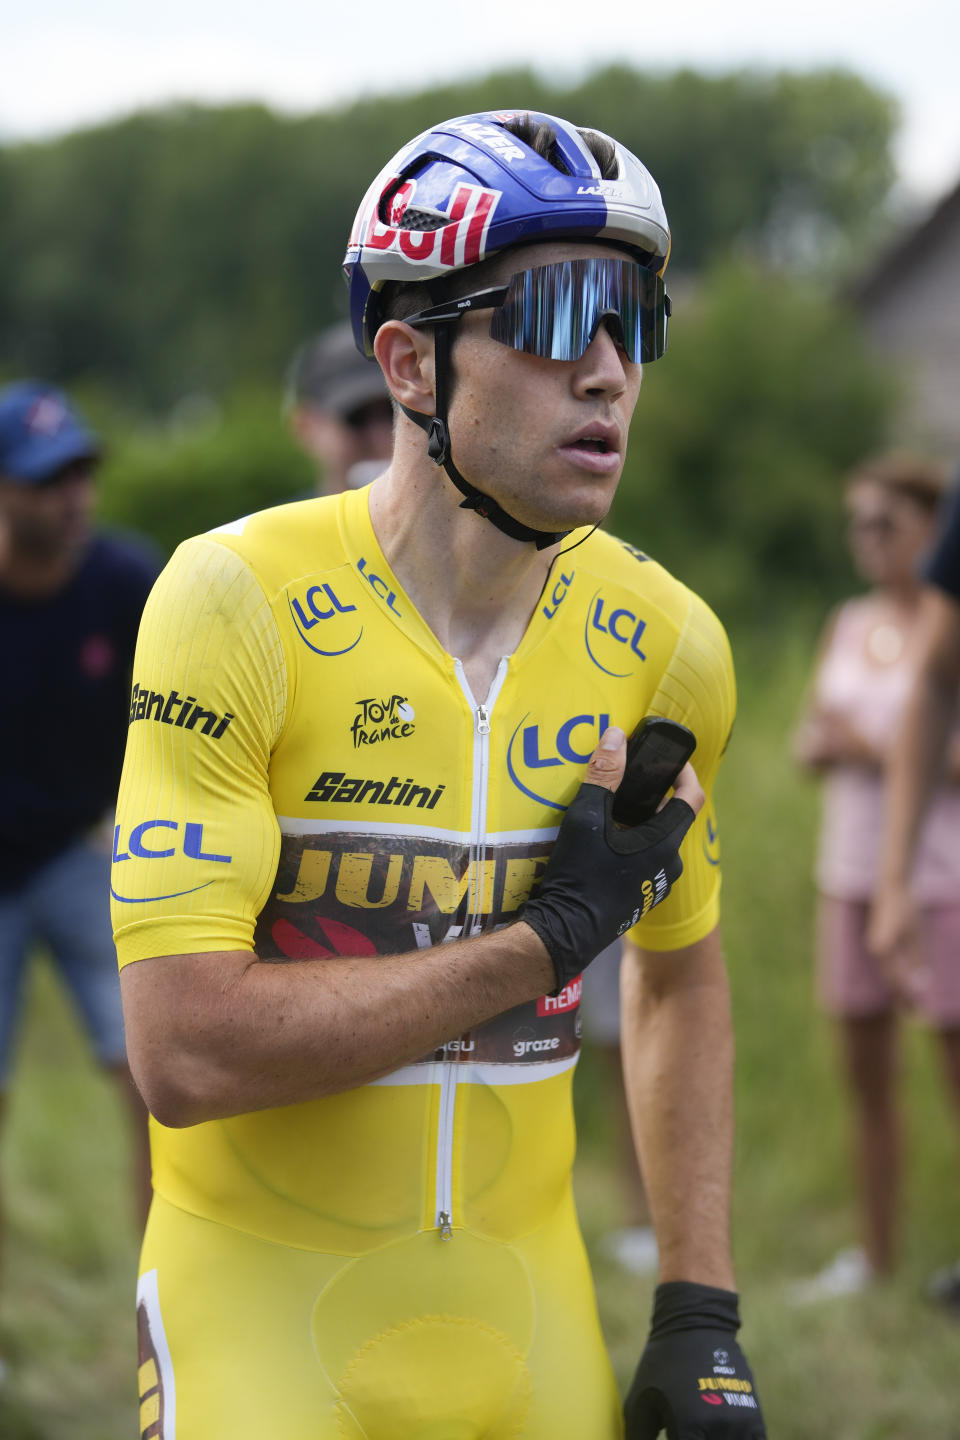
[469, 187]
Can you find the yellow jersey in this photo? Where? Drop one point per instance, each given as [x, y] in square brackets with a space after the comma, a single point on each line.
[308, 774]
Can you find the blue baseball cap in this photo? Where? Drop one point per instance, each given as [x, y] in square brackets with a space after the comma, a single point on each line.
[40, 432]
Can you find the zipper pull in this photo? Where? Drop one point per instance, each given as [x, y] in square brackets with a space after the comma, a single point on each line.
[446, 1225]
[483, 720]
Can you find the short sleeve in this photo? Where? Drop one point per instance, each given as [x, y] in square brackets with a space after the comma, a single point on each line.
[196, 841]
[698, 689]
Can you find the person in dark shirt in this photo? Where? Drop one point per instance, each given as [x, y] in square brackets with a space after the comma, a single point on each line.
[70, 603]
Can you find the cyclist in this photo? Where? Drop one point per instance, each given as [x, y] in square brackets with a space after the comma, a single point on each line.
[364, 851]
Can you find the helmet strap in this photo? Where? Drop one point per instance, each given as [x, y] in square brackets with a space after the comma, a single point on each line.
[438, 448]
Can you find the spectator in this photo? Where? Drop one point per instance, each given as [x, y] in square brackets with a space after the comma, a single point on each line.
[70, 602]
[339, 411]
[924, 749]
[867, 665]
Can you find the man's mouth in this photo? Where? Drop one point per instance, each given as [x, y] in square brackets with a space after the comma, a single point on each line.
[592, 442]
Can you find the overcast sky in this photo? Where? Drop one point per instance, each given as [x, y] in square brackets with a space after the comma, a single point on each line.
[68, 63]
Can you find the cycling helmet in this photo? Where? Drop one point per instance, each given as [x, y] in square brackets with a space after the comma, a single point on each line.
[469, 188]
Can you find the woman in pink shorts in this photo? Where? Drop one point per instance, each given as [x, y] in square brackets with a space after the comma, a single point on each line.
[863, 675]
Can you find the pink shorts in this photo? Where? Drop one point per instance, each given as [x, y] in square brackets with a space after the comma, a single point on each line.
[851, 983]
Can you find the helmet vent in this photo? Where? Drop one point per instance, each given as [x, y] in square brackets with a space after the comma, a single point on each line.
[414, 219]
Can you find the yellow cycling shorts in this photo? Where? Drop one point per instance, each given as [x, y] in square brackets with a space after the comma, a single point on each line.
[424, 1339]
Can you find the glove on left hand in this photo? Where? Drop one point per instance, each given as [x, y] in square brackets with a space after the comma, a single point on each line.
[693, 1379]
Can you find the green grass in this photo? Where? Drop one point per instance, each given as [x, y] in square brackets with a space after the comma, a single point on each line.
[879, 1367]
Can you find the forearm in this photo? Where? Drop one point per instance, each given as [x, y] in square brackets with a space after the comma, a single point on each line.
[223, 1034]
[678, 1063]
[916, 763]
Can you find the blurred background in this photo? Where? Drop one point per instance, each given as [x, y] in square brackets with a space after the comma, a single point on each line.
[176, 191]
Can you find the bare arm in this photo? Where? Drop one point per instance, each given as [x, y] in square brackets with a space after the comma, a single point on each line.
[678, 1065]
[224, 1033]
[916, 763]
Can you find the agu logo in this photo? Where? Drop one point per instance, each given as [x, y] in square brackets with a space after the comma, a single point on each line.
[537, 748]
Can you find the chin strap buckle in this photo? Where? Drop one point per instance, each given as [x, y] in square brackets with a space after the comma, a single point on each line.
[438, 440]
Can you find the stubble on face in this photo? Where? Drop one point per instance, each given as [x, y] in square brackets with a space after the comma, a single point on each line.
[513, 416]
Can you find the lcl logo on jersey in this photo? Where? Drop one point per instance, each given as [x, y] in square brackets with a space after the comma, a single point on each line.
[711, 841]
[612, 635]
[378, 585]
[535, 751]
[161, 840]
[558, 594]
[323, 620]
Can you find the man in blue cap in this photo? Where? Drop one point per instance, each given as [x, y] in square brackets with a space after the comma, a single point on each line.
[70, 603]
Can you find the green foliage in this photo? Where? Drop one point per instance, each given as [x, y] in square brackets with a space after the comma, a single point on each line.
[189, 249]
[876, 1367]
[741, 438]
[209, 465]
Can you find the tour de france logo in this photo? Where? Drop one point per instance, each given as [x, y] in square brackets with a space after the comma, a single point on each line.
[376, 720]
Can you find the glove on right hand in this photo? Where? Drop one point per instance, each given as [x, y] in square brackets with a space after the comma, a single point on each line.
[600, 879]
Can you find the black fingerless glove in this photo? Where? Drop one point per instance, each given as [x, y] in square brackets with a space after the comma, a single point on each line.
[693, 1379]
[600, 879]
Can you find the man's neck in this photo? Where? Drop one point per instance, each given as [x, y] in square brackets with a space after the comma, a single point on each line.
[473, 586]
[34, 577]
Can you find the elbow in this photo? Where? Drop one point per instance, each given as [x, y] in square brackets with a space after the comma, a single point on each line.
[178, 1090]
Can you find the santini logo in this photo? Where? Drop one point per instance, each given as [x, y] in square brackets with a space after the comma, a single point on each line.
[347, 790]
[172, 708]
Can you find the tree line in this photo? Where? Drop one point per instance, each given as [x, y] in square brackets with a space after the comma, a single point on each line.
[164, 267]
[186, 249]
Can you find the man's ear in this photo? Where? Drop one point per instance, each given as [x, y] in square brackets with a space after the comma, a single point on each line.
[405, 356]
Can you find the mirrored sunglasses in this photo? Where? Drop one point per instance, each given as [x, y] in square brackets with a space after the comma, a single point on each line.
[555, 310]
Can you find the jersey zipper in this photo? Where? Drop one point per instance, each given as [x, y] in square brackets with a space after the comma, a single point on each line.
[474, 921]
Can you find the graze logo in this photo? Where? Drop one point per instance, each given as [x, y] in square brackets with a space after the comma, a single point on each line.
[536, 748]
[388, 719]
[622, 627]
[162, 840]
[461, 241]
[566, 999]
[319, 605]
[527, 1042]
[183, 712]
[378, 586]
[558, 594]
[342, 789]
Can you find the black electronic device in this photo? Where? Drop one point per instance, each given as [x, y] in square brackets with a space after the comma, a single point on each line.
[656, 753]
